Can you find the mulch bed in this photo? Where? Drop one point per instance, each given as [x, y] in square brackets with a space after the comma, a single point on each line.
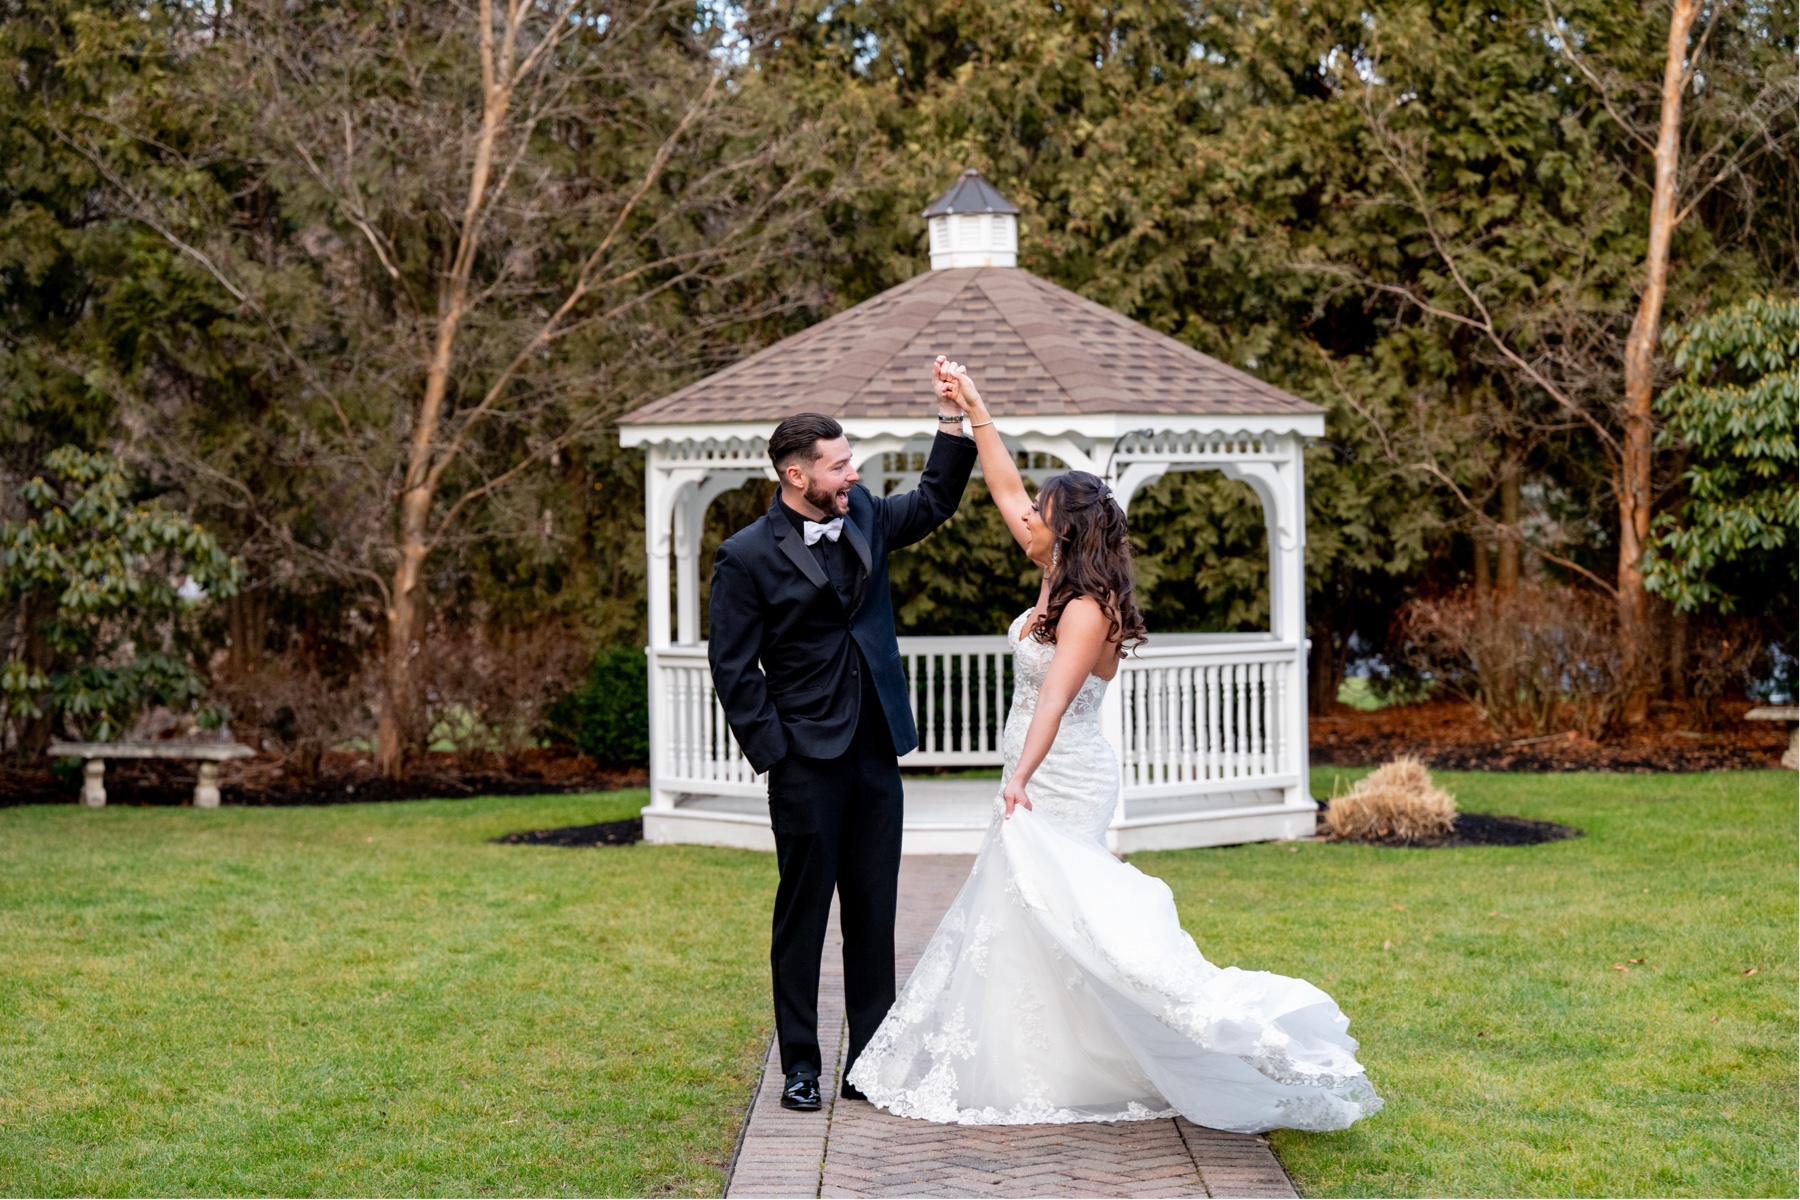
[606, 833]
[1482, 829]
[343, 778]
[1450, 736]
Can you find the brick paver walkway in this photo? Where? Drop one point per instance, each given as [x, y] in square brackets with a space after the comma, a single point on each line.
[855, 1149]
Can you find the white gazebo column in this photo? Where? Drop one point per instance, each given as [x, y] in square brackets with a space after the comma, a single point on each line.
[688, 521]
[662, 488]
[1294, 554]
[1287, 606]
[689, 510]
[657, 485]
[1125, 483]
[665, 489]
[1280, 485]
[1112, 701]
[674, 506]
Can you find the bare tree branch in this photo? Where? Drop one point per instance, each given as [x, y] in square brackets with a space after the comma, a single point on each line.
[1559, 37]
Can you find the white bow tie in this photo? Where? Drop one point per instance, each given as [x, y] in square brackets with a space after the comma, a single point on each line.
[830, 530]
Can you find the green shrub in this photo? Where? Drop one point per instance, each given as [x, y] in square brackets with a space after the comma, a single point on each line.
[106, 594]
[608, 717]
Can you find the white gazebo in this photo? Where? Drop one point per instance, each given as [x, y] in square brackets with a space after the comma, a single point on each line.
[1210, 729]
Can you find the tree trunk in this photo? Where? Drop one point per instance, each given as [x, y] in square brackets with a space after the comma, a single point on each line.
[397, 730]
[400, 692]
[1634, 482]
[1483, 570]
[35, 733]
[1325, 671]
[1678, 657]
[1507, 575]
[247, 616]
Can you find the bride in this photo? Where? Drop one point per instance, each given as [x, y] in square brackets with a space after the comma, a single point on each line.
[1060, 985]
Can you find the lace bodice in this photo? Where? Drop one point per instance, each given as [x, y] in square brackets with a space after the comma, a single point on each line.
[1077, 784]
[1031, 663]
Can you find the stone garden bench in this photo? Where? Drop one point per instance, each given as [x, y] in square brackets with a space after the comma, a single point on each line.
[1781, 712]
[95, 754]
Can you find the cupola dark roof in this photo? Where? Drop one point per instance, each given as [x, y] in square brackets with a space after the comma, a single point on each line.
[970, 194]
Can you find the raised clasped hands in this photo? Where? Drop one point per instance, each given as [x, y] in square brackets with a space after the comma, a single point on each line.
[951, 382]
[1014, 795]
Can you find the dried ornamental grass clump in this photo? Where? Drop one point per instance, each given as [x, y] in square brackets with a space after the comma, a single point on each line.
[1396, 801]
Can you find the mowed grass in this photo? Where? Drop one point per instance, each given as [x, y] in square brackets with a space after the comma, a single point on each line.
[372, 1000]
[1514, 1058]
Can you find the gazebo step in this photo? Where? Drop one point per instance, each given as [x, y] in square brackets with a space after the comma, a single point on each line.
[1217, 827]
[950, 816]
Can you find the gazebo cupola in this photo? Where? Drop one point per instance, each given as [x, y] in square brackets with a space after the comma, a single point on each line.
[972, 225]
[1210, 729]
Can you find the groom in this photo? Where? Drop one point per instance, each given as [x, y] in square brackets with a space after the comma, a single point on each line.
[804, 659]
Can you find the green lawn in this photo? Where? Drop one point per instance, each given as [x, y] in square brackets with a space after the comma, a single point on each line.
[371, 999]
[1515, 1060]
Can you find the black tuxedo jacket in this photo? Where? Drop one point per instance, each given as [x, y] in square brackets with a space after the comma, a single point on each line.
[784, 649]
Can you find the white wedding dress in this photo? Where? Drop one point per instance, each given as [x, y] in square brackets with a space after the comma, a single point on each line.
[1061, 987]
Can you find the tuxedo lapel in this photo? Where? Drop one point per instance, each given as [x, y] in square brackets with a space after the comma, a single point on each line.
[794, 546]
[858, 542]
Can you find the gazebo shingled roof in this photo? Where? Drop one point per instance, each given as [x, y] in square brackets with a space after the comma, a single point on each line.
[1037, 349]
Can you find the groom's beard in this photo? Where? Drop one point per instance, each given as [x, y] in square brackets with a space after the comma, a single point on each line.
[827, 501]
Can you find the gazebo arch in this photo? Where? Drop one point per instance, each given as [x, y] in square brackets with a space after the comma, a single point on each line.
[1210, 729]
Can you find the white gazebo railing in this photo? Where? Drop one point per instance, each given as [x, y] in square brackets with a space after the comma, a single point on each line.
[1199, 722]
[1205, 718]
[697, 754]
[961, 688]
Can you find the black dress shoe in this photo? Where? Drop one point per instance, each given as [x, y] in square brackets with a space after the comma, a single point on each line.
[851, 1092]
[801, 1094]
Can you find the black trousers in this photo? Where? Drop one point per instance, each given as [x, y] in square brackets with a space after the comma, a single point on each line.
[837, 827]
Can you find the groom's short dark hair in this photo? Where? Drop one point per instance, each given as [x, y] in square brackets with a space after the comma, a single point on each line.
[799, 436]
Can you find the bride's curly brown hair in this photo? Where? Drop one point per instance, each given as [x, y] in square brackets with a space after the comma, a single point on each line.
[1091, 557]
